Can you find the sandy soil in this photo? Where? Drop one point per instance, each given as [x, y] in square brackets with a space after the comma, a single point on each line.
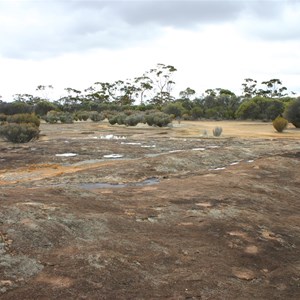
[93, 211]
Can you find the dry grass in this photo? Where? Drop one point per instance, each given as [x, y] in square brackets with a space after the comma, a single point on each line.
[241, 129]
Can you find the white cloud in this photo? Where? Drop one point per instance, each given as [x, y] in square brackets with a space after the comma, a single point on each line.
[40, 29]
[211, 43]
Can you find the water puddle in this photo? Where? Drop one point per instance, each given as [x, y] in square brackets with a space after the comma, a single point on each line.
[65, 154]
[175, 151]
[221, 168]
[112, 137]
[213, 146]
[148, 146]
[113, 156]
[106, 185]
[132, 143]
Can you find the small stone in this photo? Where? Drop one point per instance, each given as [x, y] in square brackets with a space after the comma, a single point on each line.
[243, 273]
[6, 283]
[251, 249]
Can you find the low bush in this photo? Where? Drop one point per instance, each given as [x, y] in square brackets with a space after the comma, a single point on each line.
[112, 119]
[42, 107]
[66, 118]
[134, 119]
[175, 109]
[280, 124]
[52, 117]
[151, 118]
[159, 119]
[117, 119]
[19, 132]
[82, 116]
[24, 118]
[217, 131]
[96, 117]
[3, 117]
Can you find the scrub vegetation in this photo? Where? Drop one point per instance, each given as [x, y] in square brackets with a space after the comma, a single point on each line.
[148, 99]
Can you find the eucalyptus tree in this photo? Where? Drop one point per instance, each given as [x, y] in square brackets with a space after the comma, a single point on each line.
[72, 101]
[162, 83]
[273, 89]
[26, 98]
[143, 85]
[219, 103]
[98, 93]
[44, 91]
[249, 88]
[188, 93]
[124, 92]
[187, 99]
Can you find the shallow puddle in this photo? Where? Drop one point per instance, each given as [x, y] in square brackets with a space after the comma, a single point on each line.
[65, 154]
[113, 156]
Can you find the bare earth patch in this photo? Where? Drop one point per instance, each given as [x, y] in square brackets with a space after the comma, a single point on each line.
[151, 213]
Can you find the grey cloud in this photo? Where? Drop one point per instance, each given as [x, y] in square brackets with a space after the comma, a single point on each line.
[38, 29]
[179, 14]
[283, 26]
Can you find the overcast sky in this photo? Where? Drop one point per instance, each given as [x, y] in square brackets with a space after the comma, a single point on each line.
[216, 43]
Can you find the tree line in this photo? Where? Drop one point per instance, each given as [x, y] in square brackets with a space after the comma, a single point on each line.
[153, 91]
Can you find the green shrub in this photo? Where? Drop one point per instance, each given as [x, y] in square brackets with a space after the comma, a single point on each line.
[175, 109]
[66, 118]
[3, 117]
[260, 108]
[217, 131]
[117, 119]
[96, 117]
[81, 116]
[292, 113]
[24, 118]
[151, 118]
[159, 119]
[280, 124]
[42, 107]
[19, 132]
[186, 117]
[112, 119]
[135, 119]
[197, 112]
[16, 107]
[120, 118]
[52, 117]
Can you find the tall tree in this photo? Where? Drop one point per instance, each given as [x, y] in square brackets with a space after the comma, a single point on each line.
[249, 88]
[26, 98]
[161, 80]
[98, 92]
[273, 89]
[187, 93]
[143, 85]
[44, 92]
